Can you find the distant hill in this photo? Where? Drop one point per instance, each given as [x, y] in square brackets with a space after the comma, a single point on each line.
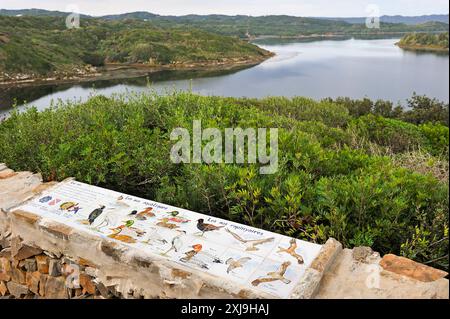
[39, 46]
[272, 25]
[35, 13]
[410, 20]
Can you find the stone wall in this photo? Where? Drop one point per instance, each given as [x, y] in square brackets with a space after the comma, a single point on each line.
[41, 258]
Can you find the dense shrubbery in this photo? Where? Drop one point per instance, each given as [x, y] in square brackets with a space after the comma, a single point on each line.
[425, 41]
[330, 180]
[41, 45]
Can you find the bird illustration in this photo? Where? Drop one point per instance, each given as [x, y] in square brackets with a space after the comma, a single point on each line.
[95, 213]
[146, 213]
[164, 222]
[177, 242]
[190, 254]
[206, 227]
[233, 264]
[176, 218]
[197, 257]
[153, 235]
[67, 205]
[250, 243]
[129, 232]
[275, 275]
[291, 251]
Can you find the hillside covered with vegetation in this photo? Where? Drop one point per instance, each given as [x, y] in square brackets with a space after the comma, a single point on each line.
[271, 25]
[364, 172]
[425, 41]
[43, 45]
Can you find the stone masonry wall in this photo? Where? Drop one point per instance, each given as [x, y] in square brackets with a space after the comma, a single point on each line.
[44, 259]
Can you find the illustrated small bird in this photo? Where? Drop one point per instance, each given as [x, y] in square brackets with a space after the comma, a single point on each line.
[164, 222]
[206, 227]
[275, 275]
[233, 264]
[291, 251]
[146, 213]
[94, 214]
[250, 243]
[177, 242]
[176, 218]
[118, 230]
[190, 254]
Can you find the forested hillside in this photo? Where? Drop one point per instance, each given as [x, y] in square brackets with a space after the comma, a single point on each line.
[425, 41]
[43, 45]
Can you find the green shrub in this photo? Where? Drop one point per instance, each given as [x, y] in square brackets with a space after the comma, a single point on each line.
[324, 187]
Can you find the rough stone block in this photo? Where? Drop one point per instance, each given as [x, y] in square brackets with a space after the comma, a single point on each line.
[406, 267]
[17, 290]
[3, 289]
[42, 262]
[55, 288]
[33, 279]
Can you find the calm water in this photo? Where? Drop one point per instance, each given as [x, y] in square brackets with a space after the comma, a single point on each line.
[318, 69]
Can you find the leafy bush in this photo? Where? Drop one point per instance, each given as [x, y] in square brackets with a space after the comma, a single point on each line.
[324, 186]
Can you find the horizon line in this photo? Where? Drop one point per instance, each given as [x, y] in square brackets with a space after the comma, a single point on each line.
[229, 15]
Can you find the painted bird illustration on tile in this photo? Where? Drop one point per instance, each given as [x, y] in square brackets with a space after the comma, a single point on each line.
[250, 243]
[95, 214]
[197, 256]
[126, 232]
[203, 227]
[177, 242]
[233, 264]
[275, 275]
[291, 251]
[143, 215]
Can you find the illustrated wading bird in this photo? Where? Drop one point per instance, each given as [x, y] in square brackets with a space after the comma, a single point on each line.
[250, 243]
[206, 227]
[275, 275]
[233, 264]
[291, 251]
[177, 242]
[95, 214]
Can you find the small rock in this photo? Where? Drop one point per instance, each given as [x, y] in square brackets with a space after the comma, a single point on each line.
[3, 289]
[54, 268]
[18, 276]
[361, 254]
[33, 279]
[17, 290]
[25, 251]
[102, 289]
[55, 288]
[28, 264]
[42, 263]
[87, 284]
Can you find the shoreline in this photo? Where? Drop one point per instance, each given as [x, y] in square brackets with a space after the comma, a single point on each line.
[420, 48]
[113, 71]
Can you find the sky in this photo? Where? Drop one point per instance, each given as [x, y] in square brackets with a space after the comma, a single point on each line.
[311, 8]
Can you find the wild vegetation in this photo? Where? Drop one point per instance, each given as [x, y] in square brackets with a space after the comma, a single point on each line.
[360, 171]
[43, 45]
[272, 25]
[425, 41]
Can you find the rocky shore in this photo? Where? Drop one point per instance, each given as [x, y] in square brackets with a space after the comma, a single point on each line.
[120, 71]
